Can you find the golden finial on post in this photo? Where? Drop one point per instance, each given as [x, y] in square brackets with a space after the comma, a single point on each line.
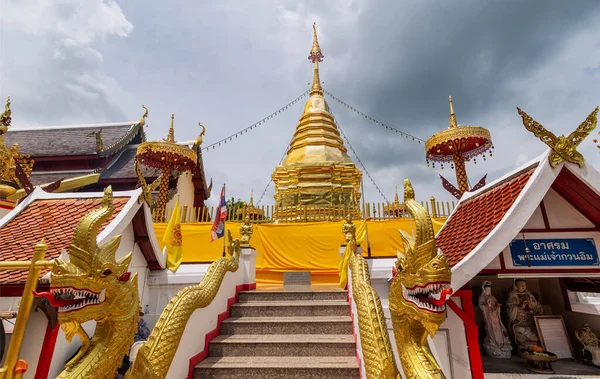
[171, 135]
[453, 123]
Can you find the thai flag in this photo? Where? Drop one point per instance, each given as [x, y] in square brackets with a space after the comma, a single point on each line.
[218, 228]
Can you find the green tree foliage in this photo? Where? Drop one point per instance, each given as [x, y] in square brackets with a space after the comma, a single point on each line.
[233, 205]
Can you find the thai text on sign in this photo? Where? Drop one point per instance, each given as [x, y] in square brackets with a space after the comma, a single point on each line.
[554, 252]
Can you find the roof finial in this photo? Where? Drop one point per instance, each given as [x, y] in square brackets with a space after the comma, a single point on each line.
[396, 199]
[5, 117]
[453, 123]
[171, 135]
[143, 119]
[316, 56]
[251, 203]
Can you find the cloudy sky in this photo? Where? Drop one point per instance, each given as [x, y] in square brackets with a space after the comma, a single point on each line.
[228, 64]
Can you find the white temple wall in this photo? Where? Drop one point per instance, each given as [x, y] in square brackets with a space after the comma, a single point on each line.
[563, 215]
[185, 191]
[451, 346]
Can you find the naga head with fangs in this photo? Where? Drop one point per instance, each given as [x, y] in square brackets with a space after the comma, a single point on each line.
[418, 292]
[90, 284]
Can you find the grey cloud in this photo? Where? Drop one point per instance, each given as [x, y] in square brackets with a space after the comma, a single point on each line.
[228, 64]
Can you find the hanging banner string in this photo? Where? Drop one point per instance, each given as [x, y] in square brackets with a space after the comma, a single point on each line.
[271, 180]
[373, 120]
[360, 162]
[263, 121]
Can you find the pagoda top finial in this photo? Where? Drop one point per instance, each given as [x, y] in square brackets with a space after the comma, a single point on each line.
[315, 57]
[171, 135]
[396, 198]
[251, 203]
[453, 123]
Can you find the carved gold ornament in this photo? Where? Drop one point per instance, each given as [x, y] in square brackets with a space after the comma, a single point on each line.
[418, 294]
[564, 149]
[90, 284]
[155, 356]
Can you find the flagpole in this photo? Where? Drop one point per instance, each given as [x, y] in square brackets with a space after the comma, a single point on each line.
[225, 226]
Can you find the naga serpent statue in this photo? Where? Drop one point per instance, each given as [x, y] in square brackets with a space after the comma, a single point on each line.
[418, 292]
[90, 284]
[377, 351]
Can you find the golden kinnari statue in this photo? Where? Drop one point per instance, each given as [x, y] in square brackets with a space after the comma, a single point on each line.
[317, 171]
[246, 230]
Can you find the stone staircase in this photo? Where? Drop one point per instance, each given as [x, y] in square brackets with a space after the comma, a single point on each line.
[284, 334]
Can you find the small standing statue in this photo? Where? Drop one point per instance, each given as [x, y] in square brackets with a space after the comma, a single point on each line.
[591, 344]
[246, 230]
[496, 342]
[522, 307]
[349, 229]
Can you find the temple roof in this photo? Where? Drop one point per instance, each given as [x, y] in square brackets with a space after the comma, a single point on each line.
[73, 140]
[475, 218]
[53, 217]
[486, 221]
[122, 167]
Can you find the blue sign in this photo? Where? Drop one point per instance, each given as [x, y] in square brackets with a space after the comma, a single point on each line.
[555, 252]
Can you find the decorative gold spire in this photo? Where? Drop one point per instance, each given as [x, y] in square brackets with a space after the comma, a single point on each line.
[396, 199]
[453, 123]
[171, 135]
[316, 56]
[316, 171]
[251, 203]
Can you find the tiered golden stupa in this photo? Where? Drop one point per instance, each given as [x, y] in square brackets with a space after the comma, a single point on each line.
[317, 176]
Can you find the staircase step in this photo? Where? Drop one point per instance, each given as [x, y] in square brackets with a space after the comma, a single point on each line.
[300, 345]
[287, 325]
[245, 296]
[291, 308]
[278, 367]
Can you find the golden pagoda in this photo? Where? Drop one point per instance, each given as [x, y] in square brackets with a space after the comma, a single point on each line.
[250, 210]
[396, 208]
[317, 176]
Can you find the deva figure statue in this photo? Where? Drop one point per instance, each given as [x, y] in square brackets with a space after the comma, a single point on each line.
[496, 342]
[522, 307]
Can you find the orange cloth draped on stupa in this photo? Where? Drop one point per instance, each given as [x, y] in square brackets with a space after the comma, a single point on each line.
[310, 246]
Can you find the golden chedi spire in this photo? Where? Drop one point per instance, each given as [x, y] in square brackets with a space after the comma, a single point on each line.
[453, 123]
[317, 171]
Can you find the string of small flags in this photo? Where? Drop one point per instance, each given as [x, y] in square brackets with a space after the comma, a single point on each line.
[263, 121]
[375, 121]
[271, 180]
[361, 164]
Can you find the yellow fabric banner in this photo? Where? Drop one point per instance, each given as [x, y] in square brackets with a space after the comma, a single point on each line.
[296, 247]
[172, 239]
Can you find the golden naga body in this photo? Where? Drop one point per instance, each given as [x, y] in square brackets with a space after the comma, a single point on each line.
[377, 351]
[92, 285]
[418, 294]
[155, 356]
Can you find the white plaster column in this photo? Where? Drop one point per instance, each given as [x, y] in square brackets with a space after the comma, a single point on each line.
[248, 264]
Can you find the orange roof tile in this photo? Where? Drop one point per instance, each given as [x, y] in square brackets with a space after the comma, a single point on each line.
[476, 217]
[54, 220]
